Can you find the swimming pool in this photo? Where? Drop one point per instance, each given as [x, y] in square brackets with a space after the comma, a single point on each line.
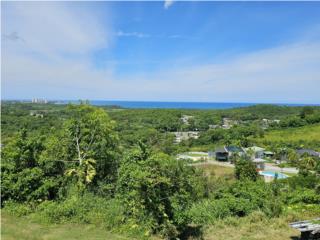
[273, 174]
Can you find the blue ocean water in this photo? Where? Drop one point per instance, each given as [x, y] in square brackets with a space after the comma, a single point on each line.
[171, 105]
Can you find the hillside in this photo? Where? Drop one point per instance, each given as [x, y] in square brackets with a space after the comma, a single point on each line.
[309, 133]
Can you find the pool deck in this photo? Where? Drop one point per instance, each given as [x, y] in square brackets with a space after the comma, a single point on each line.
[270, 167]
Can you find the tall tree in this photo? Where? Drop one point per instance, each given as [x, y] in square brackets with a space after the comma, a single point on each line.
[87, 144]
[158, 189]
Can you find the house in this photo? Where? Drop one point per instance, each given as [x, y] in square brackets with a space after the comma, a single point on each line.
[185, 119]
[257, 152]
[268, 154]
[39, 100]
[227, 123]
[267, 122]
[36, 114]
[259, 163]
[221, 154]
[226, 152]
[181, 136]
[213, 126]
[309, 152]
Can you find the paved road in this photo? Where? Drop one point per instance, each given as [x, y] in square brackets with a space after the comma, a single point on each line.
[268, 166]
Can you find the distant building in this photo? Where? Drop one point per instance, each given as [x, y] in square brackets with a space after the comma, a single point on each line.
[266, 122]
[213, 126]
[221, 154]
[182, 136]
[257, 152]
[227, 123]
[36, 113]
[39, 100]
[224, 153]
[185, 119]
[259, 163]
[309, 152]
[268, 154]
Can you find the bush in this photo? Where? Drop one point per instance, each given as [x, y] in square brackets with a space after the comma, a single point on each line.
[306, 196]
[307, 180]
[208, 211]
[18, 209]
[261, 196]
[157, 189]
[245, 169]
[83, 209]
[239, 199]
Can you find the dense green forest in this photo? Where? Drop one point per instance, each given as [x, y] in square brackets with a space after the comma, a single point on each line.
[117, 169]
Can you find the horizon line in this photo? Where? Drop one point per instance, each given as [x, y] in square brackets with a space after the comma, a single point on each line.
[159, 101]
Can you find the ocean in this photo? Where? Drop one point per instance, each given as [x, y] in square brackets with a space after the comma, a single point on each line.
[174, 105]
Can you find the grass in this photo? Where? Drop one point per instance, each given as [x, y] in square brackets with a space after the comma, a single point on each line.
[257, 227]
[258, 230]
[253, 227]
[306, 133]
[23, 228]
[218, 171]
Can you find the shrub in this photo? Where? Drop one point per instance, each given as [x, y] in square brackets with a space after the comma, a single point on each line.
[83, 209]
[18, 209]
[208, 211]
[240, 199]
[245, 169]
[307, 196]
[157, 189]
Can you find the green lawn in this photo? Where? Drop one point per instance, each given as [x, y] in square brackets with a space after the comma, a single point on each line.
[218, 171]
[252, 227]
[22, 228]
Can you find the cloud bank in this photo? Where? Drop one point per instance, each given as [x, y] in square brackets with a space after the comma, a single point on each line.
[53, 61]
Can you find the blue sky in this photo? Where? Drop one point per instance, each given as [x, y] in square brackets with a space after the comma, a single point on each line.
[162, 51]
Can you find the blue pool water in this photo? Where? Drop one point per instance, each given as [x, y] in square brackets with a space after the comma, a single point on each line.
[273, 174]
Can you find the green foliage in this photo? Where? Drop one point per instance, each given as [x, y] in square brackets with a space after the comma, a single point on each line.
[84, 173]
[22, 177]
[307, 163]
[303, 180]
[240, 199]
[141, 190]
[308, 110]
[245, 169]
[87, 146]
[19, 209]
[306, 137]
[85, 208]
[157, 188]
[305, 196]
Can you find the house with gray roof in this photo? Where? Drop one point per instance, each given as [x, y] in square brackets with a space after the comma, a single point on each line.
[224, 153]
[309, 152]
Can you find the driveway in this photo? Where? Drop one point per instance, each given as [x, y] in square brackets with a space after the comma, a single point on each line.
[268, 166]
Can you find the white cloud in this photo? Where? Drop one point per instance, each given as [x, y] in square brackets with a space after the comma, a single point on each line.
[53, 61]
[53, 28]
[168, 3]
[47, 47]
[282, 74]
[132, 34]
